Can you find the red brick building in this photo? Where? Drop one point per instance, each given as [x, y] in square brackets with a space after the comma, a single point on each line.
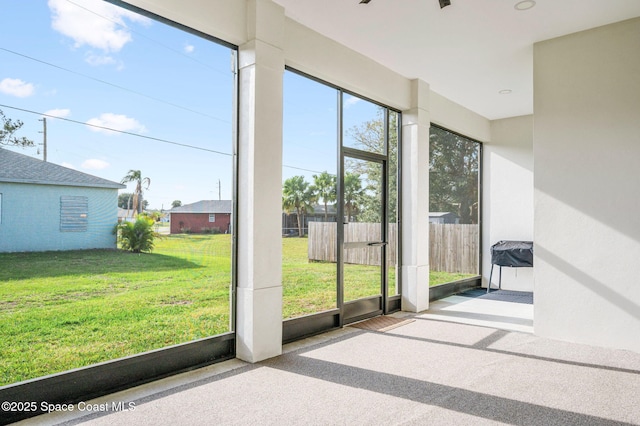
[202, 217]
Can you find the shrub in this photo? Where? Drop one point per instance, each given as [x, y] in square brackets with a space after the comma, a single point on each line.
[185, 230]
[211, 230]
[137, 236]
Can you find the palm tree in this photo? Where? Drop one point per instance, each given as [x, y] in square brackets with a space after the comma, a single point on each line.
[297, 195]
[353, 192]
[325, 185]
[136, 176]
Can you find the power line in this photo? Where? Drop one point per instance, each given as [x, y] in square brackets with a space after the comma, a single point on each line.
[142, 136]
[119, 131]
[300, 168]
[112, 85]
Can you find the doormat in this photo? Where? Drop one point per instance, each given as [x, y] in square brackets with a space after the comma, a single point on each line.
[381, 324]
[524, 297]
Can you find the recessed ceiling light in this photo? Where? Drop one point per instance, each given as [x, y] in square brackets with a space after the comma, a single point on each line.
[505, 91]
[525, 5]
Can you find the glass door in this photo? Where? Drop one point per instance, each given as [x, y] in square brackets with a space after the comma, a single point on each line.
[364, 234]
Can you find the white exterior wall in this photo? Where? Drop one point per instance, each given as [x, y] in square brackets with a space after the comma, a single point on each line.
[586, 163]
[415, 206]
[508, 196]
[456, 118]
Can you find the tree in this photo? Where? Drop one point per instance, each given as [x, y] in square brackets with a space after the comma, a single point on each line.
[8, 130]
[125, 201]
[136, 177]
[370, 136]
[176, 203]
[353, 193]
[453, 175]
[297, 195]
[325, 185]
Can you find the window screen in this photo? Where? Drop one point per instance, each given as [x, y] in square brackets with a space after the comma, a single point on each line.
[74, 213]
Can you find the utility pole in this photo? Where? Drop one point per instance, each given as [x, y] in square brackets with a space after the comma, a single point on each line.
[44, 142]
[219, 190]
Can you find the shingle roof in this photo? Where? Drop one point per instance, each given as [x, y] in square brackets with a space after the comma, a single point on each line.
[439, 214]
[19, 168]
[205, 206]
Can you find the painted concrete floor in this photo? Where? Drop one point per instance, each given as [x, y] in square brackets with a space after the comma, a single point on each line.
[479, 311]
[464, 361]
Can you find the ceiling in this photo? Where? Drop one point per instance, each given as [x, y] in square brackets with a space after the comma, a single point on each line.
[468, 51]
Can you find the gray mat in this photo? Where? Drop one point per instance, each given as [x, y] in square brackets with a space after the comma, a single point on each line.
[525, 297]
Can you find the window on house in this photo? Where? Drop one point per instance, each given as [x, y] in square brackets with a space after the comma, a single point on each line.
[212, 217]
[74, 213]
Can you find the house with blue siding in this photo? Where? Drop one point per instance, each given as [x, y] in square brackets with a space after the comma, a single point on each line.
[45, 206]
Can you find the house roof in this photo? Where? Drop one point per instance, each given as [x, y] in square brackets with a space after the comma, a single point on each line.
[205, 206]
[440, 214]
[319, 209]
[20, 168]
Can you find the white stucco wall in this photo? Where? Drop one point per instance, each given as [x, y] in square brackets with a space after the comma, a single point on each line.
[508, 196]
[586, 163]
[451, 116]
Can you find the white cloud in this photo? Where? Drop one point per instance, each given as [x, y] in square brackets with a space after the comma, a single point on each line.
[116, 122]
[94, 164]
[16, 87]
[189, 48]
[58, 112]
[97, 60]
[350, 101]
[93, 23]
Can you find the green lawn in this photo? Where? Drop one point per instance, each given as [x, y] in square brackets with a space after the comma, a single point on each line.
[310, 287]
[63, 310]
[72, 309]
[439, 277]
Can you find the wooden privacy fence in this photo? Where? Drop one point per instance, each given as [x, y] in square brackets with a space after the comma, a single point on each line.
[323, 236]
[453, 248]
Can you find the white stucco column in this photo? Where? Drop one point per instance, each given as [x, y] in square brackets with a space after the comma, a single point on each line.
[415, 200]
[259, 296]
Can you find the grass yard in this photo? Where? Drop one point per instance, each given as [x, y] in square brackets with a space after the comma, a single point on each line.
[76, 308]
[64, 310]
[439, 277]
[310, 287]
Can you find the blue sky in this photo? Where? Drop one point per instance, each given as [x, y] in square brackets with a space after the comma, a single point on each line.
[96, 64]
[91, 62]
[310, 130]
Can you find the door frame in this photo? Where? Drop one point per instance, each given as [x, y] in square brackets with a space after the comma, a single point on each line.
[374, 305]
[312, 324]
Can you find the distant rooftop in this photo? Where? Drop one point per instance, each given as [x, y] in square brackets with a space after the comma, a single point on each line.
[20, 168]
[439, 214]
[205, 206]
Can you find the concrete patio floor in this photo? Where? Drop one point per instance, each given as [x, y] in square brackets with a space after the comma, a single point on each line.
[464, 361]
